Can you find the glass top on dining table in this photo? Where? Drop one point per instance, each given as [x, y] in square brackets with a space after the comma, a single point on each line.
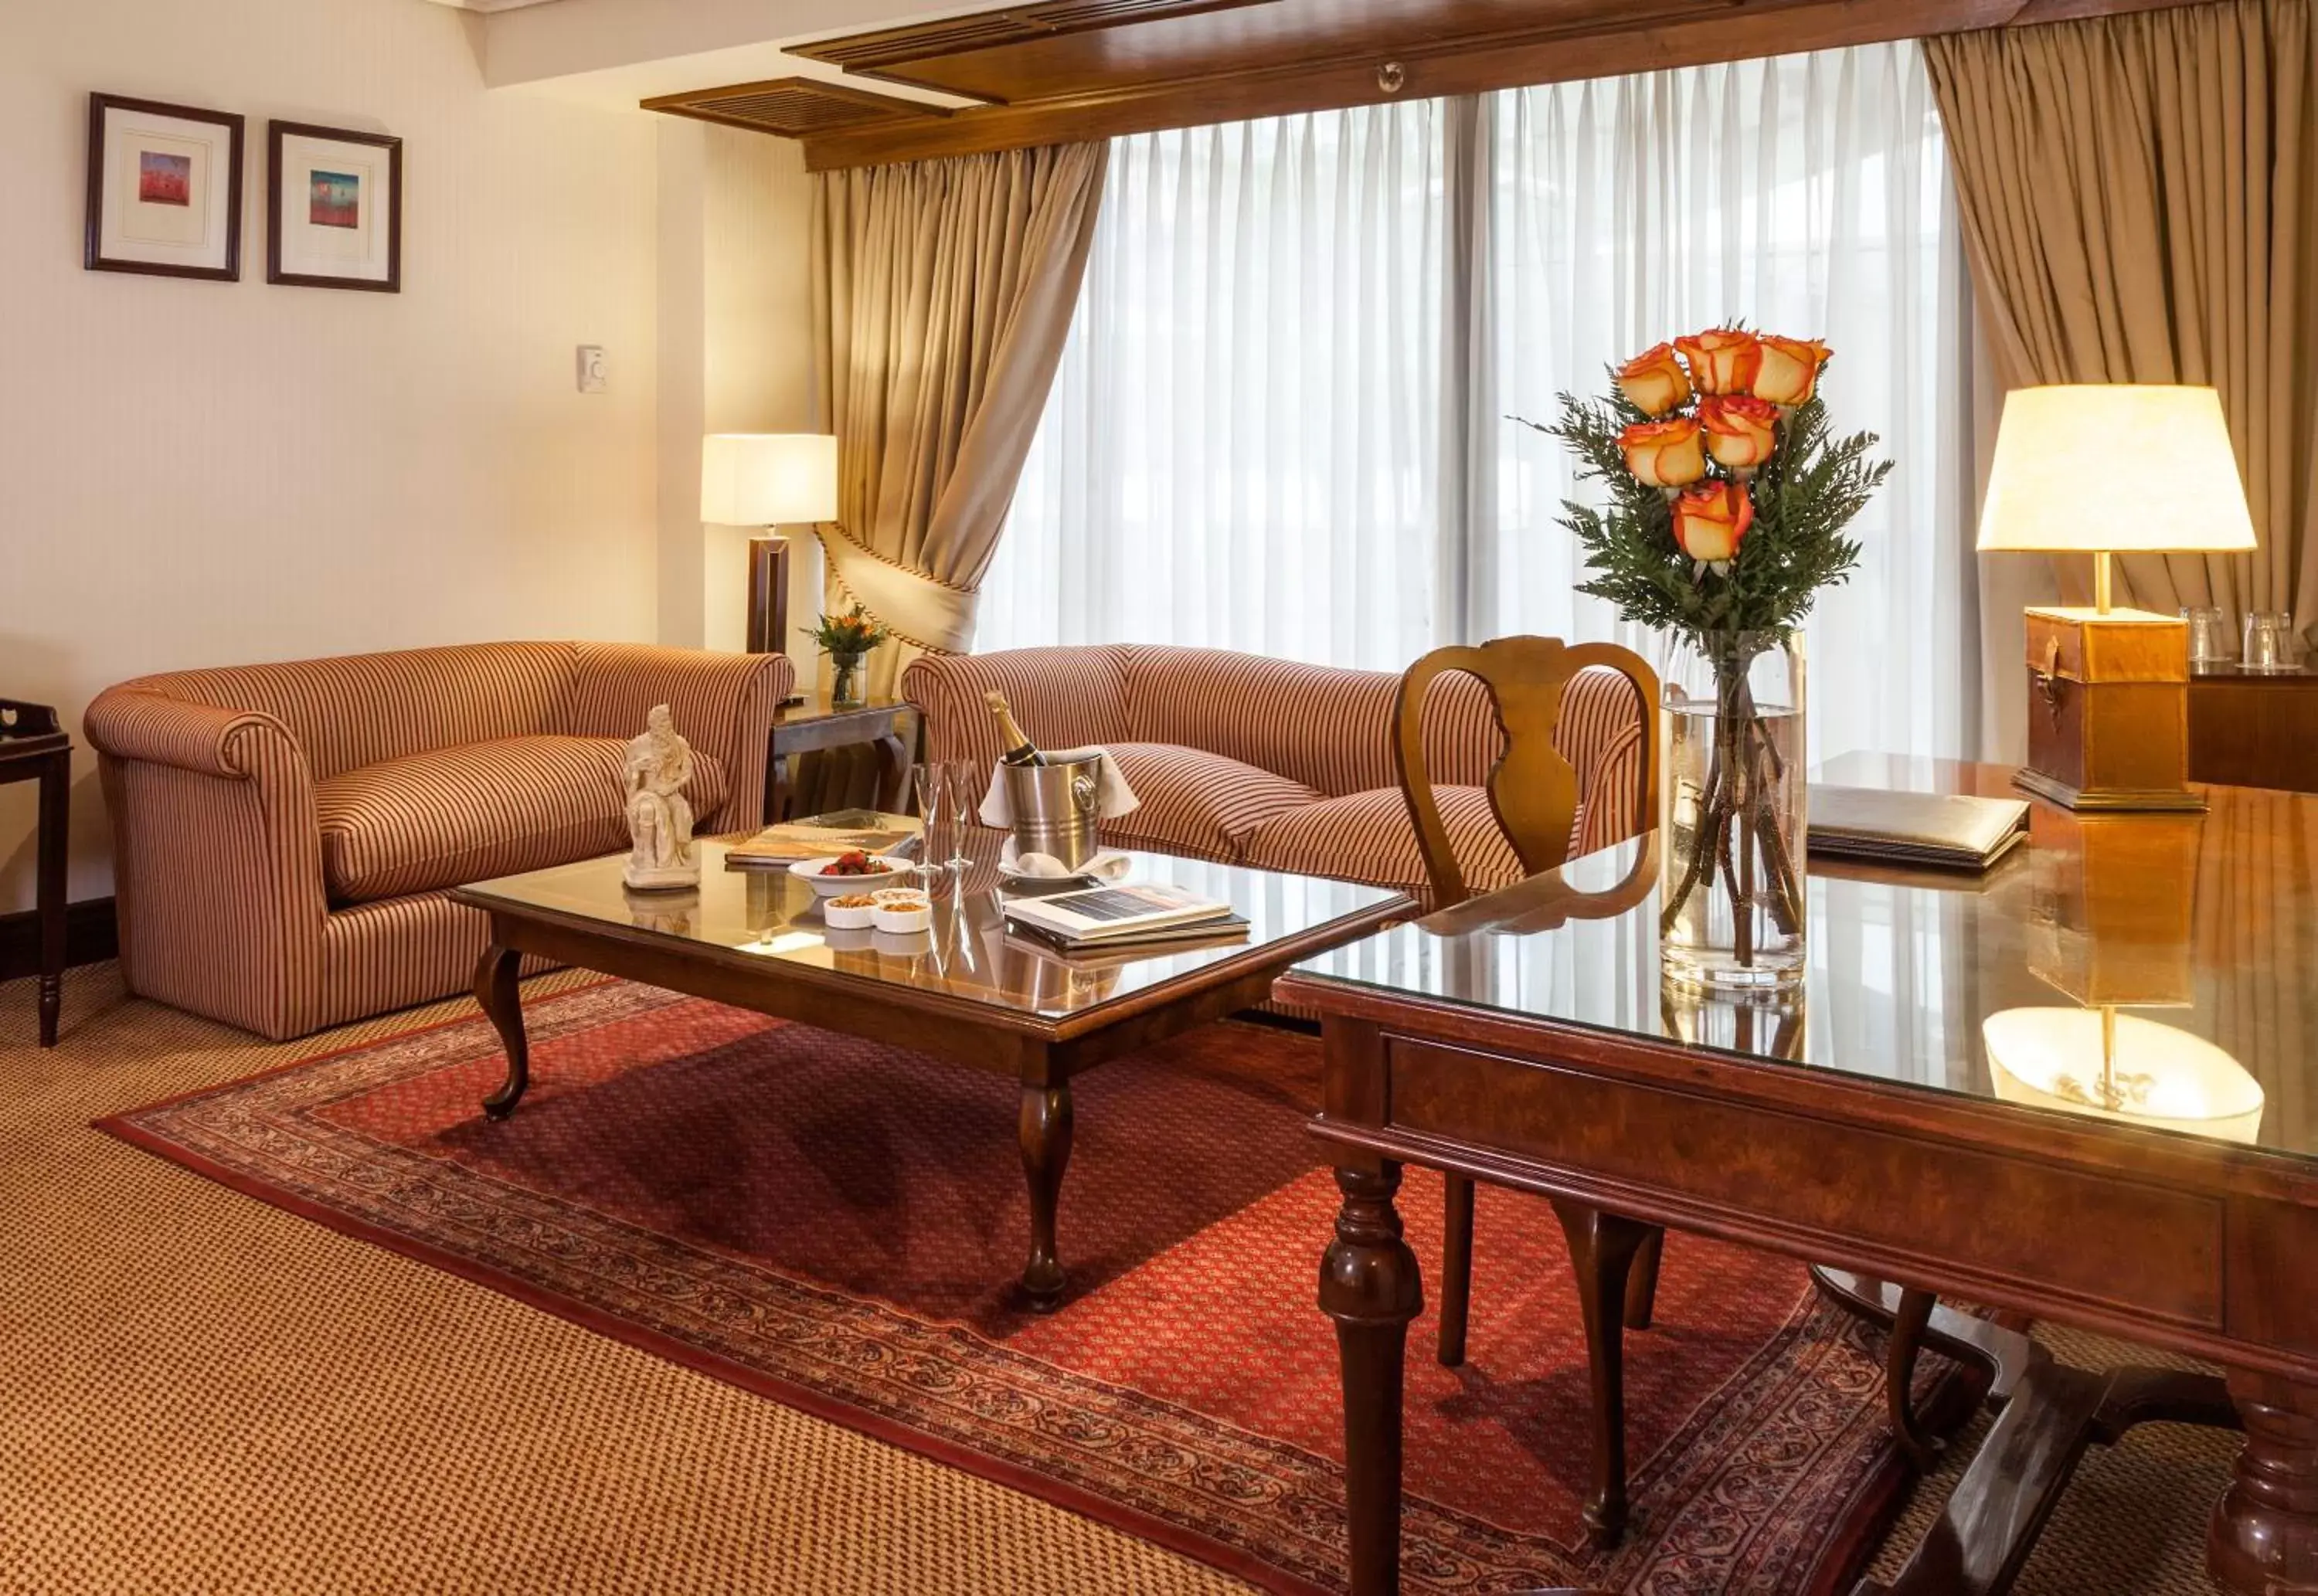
[967, 952]
[2204, 925]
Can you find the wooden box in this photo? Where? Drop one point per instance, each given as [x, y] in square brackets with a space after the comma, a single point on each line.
[2108, 710]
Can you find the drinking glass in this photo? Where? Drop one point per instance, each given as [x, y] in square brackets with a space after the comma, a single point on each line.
[959, 776]
[2269, 640]
[931, 786]
[2209, 636]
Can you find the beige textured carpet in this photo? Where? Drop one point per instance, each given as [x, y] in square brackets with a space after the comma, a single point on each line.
[199, 1392]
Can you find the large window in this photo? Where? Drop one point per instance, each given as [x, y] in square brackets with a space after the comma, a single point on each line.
[1281, 422]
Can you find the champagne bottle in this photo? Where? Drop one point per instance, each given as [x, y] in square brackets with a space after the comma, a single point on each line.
[1019, 749]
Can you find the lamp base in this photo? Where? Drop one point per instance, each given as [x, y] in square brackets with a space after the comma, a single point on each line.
[768, 600]
[2108, 800]
[2109, 711]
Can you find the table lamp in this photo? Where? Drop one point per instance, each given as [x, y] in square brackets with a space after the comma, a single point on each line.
[768, 479]
[2105, 468]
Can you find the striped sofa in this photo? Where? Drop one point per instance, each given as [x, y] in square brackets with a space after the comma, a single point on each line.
[284, 834]
[1279, 765]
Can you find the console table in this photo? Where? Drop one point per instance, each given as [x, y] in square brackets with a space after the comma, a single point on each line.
[2254, 729]
[1525, 1039]
[816, 725]
[34, 748]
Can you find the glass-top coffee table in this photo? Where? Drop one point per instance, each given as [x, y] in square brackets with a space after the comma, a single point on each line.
[965, 990]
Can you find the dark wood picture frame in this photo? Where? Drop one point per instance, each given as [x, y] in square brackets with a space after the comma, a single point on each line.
[93, 255]
[275, 132]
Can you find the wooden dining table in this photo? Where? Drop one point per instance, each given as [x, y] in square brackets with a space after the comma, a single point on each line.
[1887, 1118]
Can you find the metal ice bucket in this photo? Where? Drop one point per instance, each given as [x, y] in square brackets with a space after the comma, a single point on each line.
[1055, 808]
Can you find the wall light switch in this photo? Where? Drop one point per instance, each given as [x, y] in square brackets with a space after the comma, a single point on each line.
[595, 373]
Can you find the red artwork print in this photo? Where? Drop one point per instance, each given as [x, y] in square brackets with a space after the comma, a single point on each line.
[163, 179]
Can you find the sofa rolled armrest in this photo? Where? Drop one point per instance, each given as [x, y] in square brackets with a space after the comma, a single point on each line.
[215, 859]
[205, 738]
[1063, 697]
[724, 706]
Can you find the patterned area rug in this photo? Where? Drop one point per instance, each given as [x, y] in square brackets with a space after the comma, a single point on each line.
[835, 1224]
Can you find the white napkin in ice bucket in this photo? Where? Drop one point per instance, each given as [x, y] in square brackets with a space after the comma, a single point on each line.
[1118, 798]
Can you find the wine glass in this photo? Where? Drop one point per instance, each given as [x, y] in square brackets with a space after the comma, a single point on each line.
[930, 785]
[959, 776]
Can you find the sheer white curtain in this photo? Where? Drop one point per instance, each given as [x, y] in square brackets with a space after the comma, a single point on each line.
[1241, 449]
[1280, 423]
[1802, 195]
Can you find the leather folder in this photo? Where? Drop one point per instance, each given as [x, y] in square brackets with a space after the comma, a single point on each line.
[1941, 830]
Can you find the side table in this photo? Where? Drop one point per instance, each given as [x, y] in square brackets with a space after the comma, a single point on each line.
[34, 748]
[816, 726]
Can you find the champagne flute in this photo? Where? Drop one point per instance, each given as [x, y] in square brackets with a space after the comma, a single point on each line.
[931, 786]
[958, 776]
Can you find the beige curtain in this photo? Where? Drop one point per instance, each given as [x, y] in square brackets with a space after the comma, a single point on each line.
[943, 290]
[2139, 197]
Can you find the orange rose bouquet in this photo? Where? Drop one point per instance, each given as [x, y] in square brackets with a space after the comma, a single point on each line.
[1727, 500]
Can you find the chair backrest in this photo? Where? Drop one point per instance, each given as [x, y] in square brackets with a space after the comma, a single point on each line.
[1534, 790]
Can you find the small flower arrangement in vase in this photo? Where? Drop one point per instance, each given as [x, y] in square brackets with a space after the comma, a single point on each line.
[1728, 501]
[847, 640]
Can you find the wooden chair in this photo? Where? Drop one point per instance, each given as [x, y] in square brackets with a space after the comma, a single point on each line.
[1534, 795]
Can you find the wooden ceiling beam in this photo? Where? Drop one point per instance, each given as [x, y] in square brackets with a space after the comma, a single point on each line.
[1441, 67]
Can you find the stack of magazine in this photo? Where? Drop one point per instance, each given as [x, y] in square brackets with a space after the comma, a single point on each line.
[851, 830]
[1117, 919]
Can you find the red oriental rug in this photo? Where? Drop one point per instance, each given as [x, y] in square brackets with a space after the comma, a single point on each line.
[834, 1223]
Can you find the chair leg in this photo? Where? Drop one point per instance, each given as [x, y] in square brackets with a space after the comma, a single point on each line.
[1456, 1266]
[1642, 1285]
[1602, 1250]
[1913, 1316]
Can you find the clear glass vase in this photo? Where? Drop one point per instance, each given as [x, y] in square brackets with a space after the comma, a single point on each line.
[1733, 902]
[848, 681]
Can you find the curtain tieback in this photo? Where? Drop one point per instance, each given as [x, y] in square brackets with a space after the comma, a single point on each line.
[925, 610]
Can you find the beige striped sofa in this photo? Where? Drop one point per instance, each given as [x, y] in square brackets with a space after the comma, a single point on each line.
[1283, 766]
[284, 834]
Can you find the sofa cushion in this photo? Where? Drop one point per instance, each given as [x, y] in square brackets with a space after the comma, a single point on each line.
[1196, 803]
[1367, 837]
[461, 814]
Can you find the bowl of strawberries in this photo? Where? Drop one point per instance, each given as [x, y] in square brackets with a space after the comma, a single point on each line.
[854, 872]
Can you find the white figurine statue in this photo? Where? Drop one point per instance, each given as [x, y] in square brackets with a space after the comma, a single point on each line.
[660, 820]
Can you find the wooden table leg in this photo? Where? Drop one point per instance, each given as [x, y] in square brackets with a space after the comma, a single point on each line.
[2263, 1540]
[893, 764]
[497, 990]
[1371, 1287]
[1044, 1130]
[56, 791]
[777, 788]
[1602, 1248]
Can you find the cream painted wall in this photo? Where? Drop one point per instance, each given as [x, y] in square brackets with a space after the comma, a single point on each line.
[196, 473]
[735, 356]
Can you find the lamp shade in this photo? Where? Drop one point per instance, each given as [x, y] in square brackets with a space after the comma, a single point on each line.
[755, 479]
[2118, 468]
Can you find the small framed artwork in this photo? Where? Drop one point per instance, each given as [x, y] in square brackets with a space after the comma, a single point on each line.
[333, 208]
[164, 190]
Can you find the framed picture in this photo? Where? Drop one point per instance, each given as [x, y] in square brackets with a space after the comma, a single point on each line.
[333, 208]
[164, 190]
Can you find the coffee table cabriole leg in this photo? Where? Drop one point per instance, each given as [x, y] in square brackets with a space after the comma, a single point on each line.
[1045, 1130]
[502, 1000]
